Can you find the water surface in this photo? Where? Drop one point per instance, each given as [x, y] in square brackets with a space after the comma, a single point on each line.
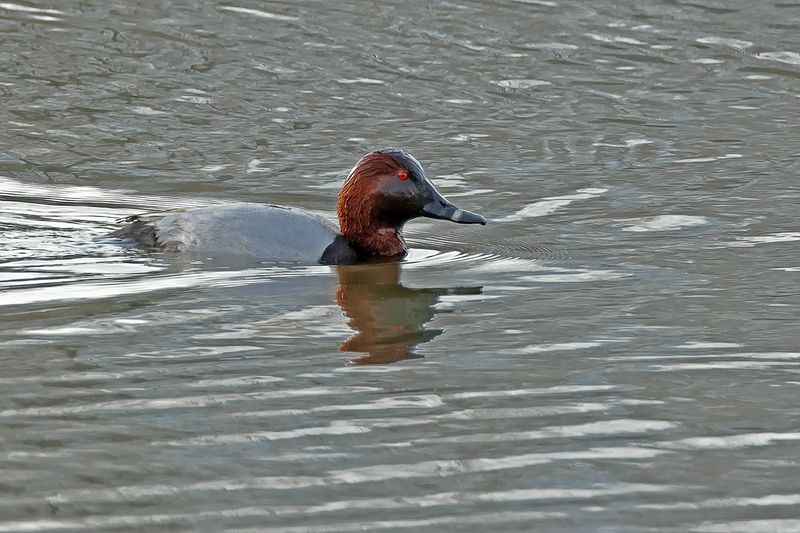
[617, 350]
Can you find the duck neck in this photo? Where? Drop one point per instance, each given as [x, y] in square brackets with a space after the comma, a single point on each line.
[379, 241]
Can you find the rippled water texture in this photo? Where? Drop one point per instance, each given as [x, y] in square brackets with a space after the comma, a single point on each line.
[617, 350]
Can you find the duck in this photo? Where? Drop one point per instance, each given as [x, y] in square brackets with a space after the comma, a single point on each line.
[384, 190]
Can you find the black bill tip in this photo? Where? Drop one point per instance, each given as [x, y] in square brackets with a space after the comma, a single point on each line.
[444, 210]
[467, 217]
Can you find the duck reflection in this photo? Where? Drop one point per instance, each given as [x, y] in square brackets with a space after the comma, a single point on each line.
[388, 317]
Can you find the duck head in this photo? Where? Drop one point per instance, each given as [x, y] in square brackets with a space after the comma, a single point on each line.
[386, 189]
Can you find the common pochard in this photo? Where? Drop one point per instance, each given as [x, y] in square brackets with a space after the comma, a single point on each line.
[385, 189]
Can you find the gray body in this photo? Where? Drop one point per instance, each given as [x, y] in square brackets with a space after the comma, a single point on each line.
[269, 232]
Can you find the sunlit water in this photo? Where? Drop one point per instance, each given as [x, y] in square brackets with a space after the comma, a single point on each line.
[617, 350]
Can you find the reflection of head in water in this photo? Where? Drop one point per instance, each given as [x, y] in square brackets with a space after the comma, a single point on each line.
[388, 317]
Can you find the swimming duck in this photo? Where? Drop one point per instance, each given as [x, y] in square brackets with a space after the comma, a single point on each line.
[385, 189]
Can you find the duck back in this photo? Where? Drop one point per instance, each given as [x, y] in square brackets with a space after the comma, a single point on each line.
[269, 232]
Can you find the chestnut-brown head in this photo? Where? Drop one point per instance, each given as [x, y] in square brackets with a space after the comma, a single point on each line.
[386, 189]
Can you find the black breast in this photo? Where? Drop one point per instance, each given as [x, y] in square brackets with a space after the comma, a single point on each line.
[339, 252]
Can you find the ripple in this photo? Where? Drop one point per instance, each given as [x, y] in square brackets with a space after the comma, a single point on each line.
[731, 441]
[335, 428]
[666, 223]
[722, 365]
[557, 389]
[706, 61]
[83, 290]
[736, 44]
[149, 111]
[708, 159]
[606, 427]
[696, 345]
[554, 46]
[29, 9]
[184, 401]
[367, 81]
[180, 519]
[194, 99]
[464, 137]
[544, 3]
[767, 525]
[742, 355]
[763, 501]
[615, 39]
[258, 13]
[521, 83]
[525, 247]
[629, 143]
[501, 254]
[552, 204]
[443, 468]
[582, 275]
[754, 240]
[63, 200]
[791, 58]
[567, 346]
[421, 257]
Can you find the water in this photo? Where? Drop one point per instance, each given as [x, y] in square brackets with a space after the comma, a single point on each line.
[617, 350]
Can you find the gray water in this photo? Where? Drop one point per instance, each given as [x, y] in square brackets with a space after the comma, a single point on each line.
[617, 350]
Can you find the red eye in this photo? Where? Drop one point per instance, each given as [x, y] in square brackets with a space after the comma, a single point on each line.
[402, 174]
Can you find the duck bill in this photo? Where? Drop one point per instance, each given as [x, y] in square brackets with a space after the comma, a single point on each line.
[439, 207]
